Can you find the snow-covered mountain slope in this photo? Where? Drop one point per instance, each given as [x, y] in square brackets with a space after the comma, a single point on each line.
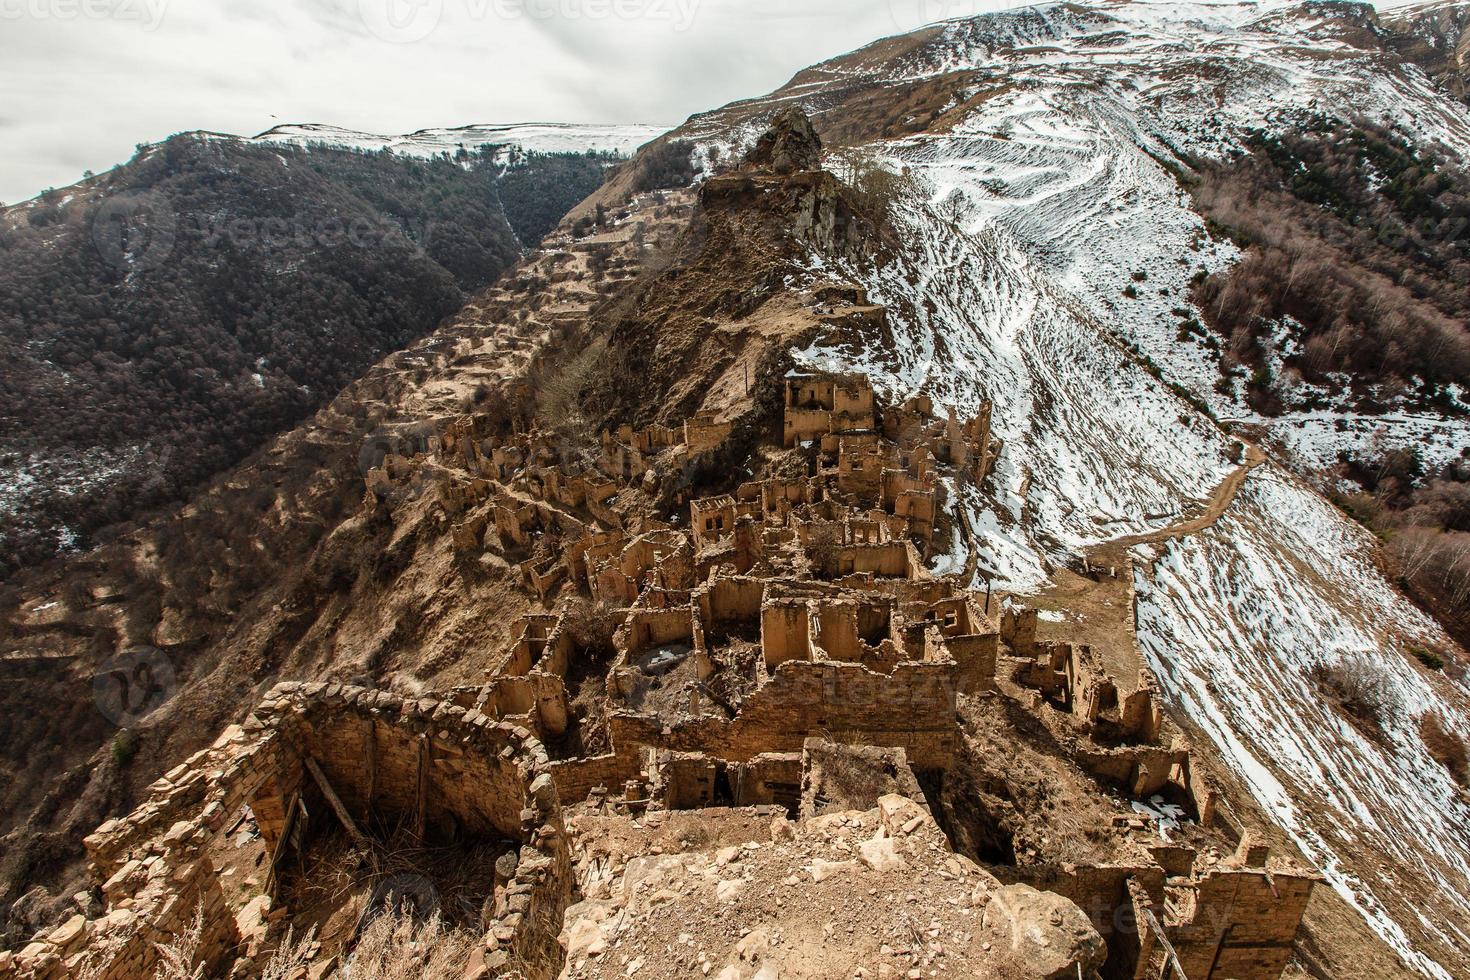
[526, 137]
[1047, 189]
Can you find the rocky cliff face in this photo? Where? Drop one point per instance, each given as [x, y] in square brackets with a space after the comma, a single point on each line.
[1435, 36]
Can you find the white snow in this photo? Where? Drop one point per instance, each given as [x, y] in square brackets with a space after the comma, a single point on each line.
[526, 137]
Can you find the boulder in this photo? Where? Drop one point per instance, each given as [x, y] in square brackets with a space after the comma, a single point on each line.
[1044, 936]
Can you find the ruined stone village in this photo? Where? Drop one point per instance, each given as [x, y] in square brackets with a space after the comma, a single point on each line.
[775, 767]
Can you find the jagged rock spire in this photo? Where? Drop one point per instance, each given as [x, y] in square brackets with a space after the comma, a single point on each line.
[790, 144]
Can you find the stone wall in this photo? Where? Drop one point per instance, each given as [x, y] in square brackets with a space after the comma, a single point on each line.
[1240, 924]
[433, 764]
[912, 708]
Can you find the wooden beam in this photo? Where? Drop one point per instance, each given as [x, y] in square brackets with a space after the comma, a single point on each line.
[370, 750]
[1172, 960]
[335, 801]
[421, 809]
[283, 842]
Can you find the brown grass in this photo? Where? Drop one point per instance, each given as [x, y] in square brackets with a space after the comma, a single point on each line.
[177, 959]
[396, 948]
[292, 957]
[1446, 747]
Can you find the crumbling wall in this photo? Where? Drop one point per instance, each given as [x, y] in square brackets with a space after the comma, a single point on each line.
[1240, 924]
[912, 708]
[785, 632]
[730, 600]
[434, 764]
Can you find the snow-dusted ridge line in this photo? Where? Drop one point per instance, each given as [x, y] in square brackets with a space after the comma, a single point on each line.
[537, 137]
[528, 137]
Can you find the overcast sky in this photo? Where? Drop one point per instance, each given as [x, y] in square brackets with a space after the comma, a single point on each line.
[83, 81]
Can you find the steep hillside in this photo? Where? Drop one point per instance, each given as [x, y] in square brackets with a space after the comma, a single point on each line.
[1434, 36]
[159, 322]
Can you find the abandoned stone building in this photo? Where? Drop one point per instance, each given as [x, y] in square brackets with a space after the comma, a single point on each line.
[777, 656]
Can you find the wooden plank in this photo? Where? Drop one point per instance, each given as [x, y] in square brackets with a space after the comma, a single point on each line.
[283, 842]
[335, 802]
[1173, 957]
[421, 809]
[370, 749]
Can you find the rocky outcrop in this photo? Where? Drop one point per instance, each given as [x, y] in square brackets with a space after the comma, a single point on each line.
[789, 146]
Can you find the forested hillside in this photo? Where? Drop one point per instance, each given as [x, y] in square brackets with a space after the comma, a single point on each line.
[159, 322]
[1352, 293]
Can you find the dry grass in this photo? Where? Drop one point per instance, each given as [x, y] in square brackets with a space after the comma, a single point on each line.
[394, 947]
[1446, 747]
[178, 959]
[291, 957]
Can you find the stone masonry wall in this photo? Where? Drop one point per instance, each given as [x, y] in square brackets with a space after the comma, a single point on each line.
[377, 750]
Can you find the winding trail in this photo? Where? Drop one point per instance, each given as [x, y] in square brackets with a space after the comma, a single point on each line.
[1220, 502]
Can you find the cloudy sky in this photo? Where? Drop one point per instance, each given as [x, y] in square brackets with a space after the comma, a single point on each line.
[84, 81]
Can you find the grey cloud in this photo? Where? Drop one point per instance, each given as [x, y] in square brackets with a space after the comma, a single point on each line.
[82, 94]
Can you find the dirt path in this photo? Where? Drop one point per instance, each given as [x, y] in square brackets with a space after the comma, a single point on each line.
[1220, 502]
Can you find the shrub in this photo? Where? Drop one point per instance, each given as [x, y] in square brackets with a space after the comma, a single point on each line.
[124, 747]
[1428, 658]
[1359, 689]
[823, 548]
[592, 625]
